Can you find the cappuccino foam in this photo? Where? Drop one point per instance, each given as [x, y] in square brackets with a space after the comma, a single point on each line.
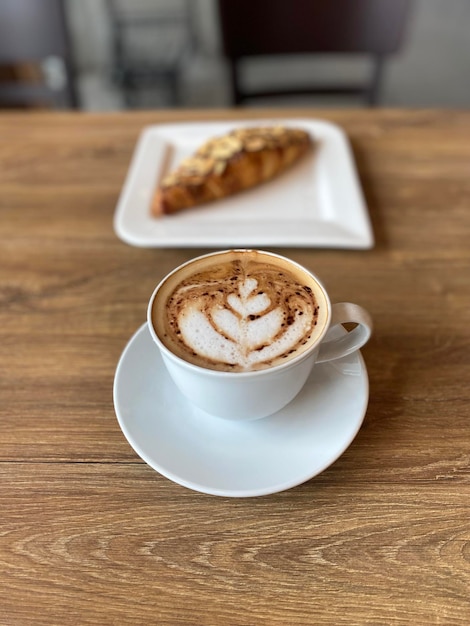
[238, 311]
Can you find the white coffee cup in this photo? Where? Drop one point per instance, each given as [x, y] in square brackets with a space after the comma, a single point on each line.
[250, 395]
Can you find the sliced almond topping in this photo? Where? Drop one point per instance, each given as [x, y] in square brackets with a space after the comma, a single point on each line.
[223, 153]
[206, 149]
[233, 143]
[254, 143]
[197, 165]
[220, 167]
[170, 180]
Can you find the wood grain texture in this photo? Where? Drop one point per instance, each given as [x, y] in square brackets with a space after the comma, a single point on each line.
[89, 534]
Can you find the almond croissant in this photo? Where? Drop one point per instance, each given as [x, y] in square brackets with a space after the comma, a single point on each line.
[225, 165]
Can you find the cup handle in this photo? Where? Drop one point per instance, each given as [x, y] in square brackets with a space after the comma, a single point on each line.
[341, 313]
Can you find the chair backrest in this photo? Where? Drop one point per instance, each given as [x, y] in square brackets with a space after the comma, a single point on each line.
[151, 43]
[35, 31]
[284, 27]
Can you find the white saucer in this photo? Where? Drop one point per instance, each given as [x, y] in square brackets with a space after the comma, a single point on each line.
[237, 459]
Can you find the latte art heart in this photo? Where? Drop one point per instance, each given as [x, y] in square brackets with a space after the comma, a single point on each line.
[241, 317]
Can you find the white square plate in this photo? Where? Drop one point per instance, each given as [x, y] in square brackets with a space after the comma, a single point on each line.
[318, 202]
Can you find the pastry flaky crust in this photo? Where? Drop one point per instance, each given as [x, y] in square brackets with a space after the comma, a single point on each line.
[226, 165]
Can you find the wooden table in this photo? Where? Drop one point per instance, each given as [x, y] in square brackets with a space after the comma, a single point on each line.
[89, 534]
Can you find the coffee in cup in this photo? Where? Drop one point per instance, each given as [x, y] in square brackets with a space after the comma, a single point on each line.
[239, 311]
[239, 331]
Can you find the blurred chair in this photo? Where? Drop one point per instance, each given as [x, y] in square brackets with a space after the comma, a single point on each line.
[35, 55]
[266, 28]
[151, 42]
